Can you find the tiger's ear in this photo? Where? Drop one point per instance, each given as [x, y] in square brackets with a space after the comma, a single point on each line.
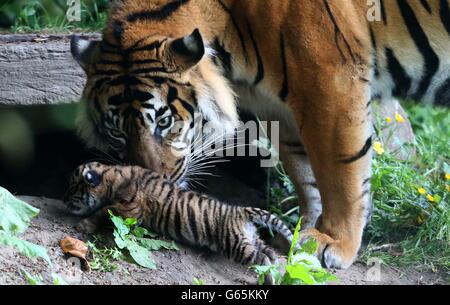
[83, 50]
[186, 52]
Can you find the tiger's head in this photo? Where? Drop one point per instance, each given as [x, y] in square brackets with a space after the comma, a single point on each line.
[93, 186]
[87, 191]
[147, 95]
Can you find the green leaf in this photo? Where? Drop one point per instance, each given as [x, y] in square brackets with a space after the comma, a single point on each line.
[120, 240]
[58, 280]
[263, 271]
[300, 272]
[32, 280]
[141, 255]
[309, 247]
[323, 277]
[306, 259]
[142, 232]
[131, 222]
[26, 248]
[155, 244]
[119, 224]
[295, 240]
[198, 282]
[15, 215]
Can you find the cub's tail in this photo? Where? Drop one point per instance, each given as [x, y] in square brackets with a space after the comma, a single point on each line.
[270, 221]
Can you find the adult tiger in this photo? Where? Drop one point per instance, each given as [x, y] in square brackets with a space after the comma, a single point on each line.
[314, 65]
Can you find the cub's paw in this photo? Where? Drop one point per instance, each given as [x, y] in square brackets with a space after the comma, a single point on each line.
[86, 226]
[334, 254]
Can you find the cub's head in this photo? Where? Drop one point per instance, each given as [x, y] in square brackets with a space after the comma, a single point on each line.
[88, 189]
[148, 91]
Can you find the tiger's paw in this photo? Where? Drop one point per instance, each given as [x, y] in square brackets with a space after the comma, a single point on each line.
[334, 254]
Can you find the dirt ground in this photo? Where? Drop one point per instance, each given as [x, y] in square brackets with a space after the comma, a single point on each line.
[174, 267]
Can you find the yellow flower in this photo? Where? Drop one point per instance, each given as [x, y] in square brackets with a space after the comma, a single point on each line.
[422, 191]
[389, 120]
[399, 118]
[420, 220]
[447, 176]
[378, 147]
[431, 198]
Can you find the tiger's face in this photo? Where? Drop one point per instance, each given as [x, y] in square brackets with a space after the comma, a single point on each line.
[145, 101]
[87, 193]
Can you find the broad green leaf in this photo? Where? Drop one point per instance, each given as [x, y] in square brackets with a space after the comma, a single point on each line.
[141, 255]
[306, 259]
[309, 247]
[300, 272]
[141, 232]
[155, 244]
[323, 277]
[26, 248]
[15, 214]
[119, 224]
[120, 240]
[130, 222]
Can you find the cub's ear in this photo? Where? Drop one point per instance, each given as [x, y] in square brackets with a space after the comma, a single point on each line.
[83, 50]
[186, 52]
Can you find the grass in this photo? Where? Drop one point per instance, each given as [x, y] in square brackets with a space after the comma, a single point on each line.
[411, 221]
[50, 16]
[103, 257]
[408, 227]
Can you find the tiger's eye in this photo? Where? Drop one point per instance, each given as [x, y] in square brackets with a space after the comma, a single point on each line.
[92, 178]
[163, 123]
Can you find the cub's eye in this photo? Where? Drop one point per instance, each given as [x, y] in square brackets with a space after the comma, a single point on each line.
[165, 122]
[92, 178]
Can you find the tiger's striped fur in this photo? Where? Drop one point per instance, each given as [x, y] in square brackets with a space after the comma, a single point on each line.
[313, 65]
[187, 217]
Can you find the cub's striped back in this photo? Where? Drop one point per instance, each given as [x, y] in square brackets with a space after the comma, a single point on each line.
[185, 216]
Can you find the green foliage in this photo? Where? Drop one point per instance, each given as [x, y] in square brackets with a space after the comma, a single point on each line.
[411, 198]
[406, 228]
[15, 216]
[138, 241]
[32, 280]
[302, 267]
[38, 15]
[103, 257]
[37, 280]
[24, 247]
[58, 280]
[198, 282]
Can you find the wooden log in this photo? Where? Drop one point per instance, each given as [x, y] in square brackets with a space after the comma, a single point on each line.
[39, 69]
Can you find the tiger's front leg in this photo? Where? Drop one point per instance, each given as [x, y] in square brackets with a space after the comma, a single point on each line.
[297, 165]
[336, 131]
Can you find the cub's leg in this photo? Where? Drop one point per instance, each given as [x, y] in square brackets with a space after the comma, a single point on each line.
[335, 126]
[253, 251]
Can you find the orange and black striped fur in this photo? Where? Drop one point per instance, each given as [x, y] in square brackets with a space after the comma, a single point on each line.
[313, 65]
[187, 217]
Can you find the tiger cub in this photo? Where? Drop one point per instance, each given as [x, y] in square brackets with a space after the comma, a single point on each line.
[185, 216]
